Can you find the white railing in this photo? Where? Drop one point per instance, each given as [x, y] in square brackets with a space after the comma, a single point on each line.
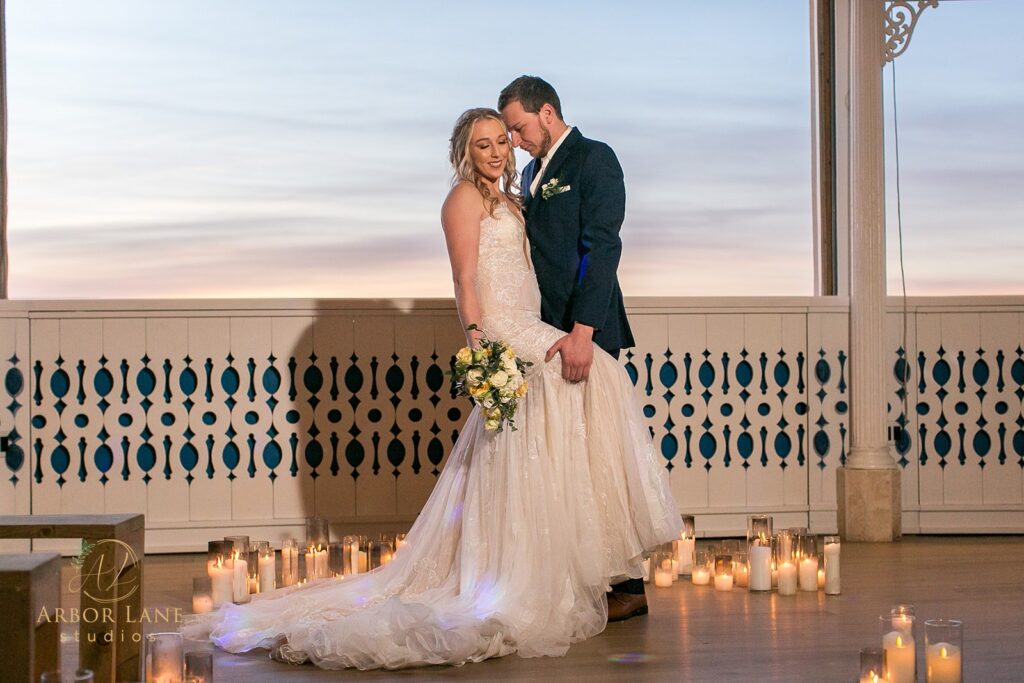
[215, 415]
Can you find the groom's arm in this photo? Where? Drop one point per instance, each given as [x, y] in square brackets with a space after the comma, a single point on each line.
[602, 210]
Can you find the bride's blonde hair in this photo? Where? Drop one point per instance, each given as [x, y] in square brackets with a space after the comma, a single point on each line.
[458, 154]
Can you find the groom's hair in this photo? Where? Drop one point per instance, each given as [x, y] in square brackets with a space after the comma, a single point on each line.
[532, 93]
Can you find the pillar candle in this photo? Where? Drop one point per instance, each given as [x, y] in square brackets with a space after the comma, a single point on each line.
[701, 576]
[267, 568]
[787, 578]
[821, 578]
[943, 663]
[311, 564]
[289, 556]
[684, 553]
[201, 603]
[364, 561]
[832, 568]
[809, 574]
[220, 583]
[741, 573]
[664, 574]
[760, 568]
[240, 580]
[900, 657]
[321, 563]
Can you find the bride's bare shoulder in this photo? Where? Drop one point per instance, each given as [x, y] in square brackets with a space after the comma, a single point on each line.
[463, 203]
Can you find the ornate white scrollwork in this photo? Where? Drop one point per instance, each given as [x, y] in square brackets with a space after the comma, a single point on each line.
[900, 18]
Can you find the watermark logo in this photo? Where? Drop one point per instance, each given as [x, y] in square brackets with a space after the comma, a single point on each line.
[102, 578]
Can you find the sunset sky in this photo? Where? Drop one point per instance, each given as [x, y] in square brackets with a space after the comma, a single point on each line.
[262, 148]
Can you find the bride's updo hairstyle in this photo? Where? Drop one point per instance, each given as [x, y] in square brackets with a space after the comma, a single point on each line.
[458, 154]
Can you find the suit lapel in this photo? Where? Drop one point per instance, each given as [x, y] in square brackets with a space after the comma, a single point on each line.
[556, 162]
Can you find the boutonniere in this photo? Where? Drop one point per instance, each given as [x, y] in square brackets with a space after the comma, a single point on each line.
[553, 187]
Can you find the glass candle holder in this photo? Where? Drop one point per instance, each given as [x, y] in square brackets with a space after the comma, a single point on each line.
[702, 567]
[944, 643]
[289, 562]
[198, 667]
[239, 568]
[165, 657]
[663, 564]
[786, 563]
[387, 552]
[316, 562]
[336, 559]
[741, 569]
[239, 544]
[832, 548]
[903, 618]
[254, 564]
[723, 573]
[202, 594]
[317, 532]
[759, 552]
[821, 570]
[808, 563]
[219, 569]
[266, 566]
[872, 665]
[684, 545]
[350, 555]
[364, 554]
[900, 648]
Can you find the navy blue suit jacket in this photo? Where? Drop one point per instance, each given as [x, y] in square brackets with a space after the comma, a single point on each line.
[574, 239]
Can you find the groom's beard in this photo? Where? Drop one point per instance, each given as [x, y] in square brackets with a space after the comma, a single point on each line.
[545, 143]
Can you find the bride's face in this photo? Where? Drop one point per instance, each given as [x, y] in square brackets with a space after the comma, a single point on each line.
[489, 148]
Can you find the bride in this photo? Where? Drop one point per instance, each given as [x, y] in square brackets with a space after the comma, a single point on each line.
[525, 530]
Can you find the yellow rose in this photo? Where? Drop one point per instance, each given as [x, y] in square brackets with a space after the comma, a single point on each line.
[521, 391]
[480, 390]
[465, 355]
[492, 425]
[492, 413]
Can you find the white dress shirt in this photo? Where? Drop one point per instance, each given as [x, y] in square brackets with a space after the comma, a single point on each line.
[545, 159]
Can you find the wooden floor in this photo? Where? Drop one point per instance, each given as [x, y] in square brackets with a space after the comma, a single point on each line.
[698, 634]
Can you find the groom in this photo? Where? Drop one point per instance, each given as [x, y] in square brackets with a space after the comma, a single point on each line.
[574, 201]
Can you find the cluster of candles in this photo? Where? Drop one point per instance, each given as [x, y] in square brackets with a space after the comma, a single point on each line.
[237, 568]
[786, 561]
[167, 661]
[896, 660]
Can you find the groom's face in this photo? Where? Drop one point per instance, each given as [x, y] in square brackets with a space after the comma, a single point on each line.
[529, 132]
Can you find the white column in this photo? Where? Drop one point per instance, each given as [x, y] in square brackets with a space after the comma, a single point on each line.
[868, 386]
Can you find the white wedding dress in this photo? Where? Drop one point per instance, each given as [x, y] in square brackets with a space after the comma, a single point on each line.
[524, 530]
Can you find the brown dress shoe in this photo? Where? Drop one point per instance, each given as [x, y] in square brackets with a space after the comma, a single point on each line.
[622, 606]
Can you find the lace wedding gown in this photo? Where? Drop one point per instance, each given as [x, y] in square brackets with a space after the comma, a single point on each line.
[524, 530]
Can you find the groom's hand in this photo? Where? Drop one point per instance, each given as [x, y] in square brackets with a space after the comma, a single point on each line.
[577, 351]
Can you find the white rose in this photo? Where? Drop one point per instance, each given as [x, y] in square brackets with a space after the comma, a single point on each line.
[509, 364]
[499, 379]
[474, 376]
[492, 425]
[488, 403]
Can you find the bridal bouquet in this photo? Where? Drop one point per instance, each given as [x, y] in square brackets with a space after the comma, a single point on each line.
[492, 376]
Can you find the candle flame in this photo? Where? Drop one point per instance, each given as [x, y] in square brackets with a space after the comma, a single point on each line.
[899, 641]
[874, 677]
[942, 652]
